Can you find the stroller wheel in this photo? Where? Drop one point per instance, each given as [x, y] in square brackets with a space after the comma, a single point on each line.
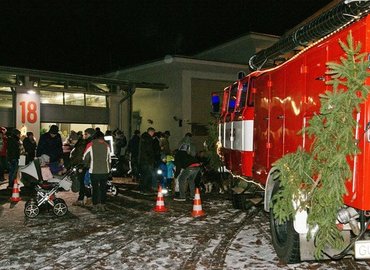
[114, 190]
[31, 209]
[60, 207]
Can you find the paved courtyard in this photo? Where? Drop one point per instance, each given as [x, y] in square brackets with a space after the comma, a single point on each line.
[130, 235]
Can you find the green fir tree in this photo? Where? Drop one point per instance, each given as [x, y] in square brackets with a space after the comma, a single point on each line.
[316, 179]
[212, 140]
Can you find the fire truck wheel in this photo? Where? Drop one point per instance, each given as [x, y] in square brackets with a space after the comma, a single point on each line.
[284, 238]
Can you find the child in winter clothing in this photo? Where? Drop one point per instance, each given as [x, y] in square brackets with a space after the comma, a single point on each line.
[170, 171]
[49, 169]
[163, 169]
[45, 169]
[57, 168]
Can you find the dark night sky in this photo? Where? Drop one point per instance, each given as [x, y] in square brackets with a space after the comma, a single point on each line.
[92, 37]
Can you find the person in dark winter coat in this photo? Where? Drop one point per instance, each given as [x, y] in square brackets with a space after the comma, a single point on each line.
[165, 144]
[120, 143]
[157, 156]
[183, 158]
[157, 148]
[29, 144]
[76, 159]
[50, 144]
[146, 160]
[3, 146]
[133, 150]
[12, 155]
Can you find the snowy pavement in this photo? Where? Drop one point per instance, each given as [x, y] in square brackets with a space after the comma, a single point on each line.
[132, 236]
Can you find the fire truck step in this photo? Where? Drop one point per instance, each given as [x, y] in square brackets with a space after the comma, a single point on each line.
[256, 200]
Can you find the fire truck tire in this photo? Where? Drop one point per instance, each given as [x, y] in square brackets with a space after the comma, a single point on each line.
[284, 238]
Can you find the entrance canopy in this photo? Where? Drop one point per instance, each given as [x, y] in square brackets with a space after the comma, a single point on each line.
[47, 80]
[30, 97]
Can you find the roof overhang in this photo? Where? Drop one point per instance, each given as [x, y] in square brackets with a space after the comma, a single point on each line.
[54, 81]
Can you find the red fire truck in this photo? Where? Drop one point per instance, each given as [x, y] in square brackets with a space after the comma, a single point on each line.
[262, 113]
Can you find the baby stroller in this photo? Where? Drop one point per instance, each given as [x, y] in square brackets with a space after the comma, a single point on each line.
[45, 190]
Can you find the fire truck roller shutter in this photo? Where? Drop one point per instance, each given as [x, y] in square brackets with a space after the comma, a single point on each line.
[243, 135]
[221, 133]
[227, 135]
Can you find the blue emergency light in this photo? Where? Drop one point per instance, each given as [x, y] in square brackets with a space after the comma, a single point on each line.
[215, 103]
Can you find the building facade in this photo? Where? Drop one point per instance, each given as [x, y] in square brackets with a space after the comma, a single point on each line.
[185, 106]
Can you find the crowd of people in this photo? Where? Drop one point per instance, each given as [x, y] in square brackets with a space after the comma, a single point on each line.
[178, 168]
[56, 157]
[149, 155]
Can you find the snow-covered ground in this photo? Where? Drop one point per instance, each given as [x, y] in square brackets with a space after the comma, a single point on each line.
[132, 236]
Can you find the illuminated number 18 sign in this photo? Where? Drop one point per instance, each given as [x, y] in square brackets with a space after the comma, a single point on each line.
[28, 112]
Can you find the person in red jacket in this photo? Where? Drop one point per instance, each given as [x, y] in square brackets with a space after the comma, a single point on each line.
[3, 147]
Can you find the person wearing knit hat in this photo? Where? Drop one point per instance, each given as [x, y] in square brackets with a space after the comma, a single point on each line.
[50, 143]
[53, 129]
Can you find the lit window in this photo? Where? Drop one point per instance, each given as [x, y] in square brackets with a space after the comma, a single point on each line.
[5, 89]
[74, 99]
[49, 97]
[96, 101]
[6, 100]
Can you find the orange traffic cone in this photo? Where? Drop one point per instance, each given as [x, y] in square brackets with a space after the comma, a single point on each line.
[159, 207]
[15, 193]
[197, 205]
